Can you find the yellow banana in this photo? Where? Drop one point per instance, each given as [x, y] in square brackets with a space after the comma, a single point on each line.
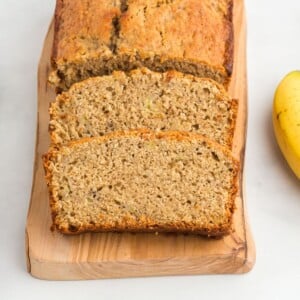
[286, 119]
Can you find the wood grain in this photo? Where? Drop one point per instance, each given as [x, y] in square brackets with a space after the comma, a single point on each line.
[53, 256]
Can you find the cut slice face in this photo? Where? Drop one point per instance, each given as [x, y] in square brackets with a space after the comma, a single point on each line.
[142, 181]
[143, 99]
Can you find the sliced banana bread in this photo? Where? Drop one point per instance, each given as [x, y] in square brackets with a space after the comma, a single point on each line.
[143, 99]
[142, 181]
[96, 37]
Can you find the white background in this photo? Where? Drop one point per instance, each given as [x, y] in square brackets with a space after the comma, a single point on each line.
[273, 193]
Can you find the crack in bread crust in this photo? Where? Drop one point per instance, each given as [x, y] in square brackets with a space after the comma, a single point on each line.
[128, 37]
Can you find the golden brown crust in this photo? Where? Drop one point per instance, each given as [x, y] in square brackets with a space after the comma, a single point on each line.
[229, 52]
[182, 30]
[58, 8]
[148, 225]
[172, 227]
[95, 37]
[234, 109]
[83, 28]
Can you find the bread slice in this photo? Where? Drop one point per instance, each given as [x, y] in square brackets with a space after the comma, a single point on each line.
[96, 37]
[143, 99]
[142, 181]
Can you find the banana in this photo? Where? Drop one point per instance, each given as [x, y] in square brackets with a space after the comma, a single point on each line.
[286, 119]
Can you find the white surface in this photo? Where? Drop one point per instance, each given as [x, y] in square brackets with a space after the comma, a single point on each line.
[273, 193]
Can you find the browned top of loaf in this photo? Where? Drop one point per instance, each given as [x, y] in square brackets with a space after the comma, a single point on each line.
[177, 30]
[83, 28]
[182, 29]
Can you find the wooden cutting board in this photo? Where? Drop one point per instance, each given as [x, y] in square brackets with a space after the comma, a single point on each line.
[53, 256]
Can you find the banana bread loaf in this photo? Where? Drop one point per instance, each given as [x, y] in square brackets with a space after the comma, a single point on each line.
[142, 181]
[96, 37]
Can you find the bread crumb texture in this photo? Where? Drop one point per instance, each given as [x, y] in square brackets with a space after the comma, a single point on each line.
[143, 99]
[142, 181]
